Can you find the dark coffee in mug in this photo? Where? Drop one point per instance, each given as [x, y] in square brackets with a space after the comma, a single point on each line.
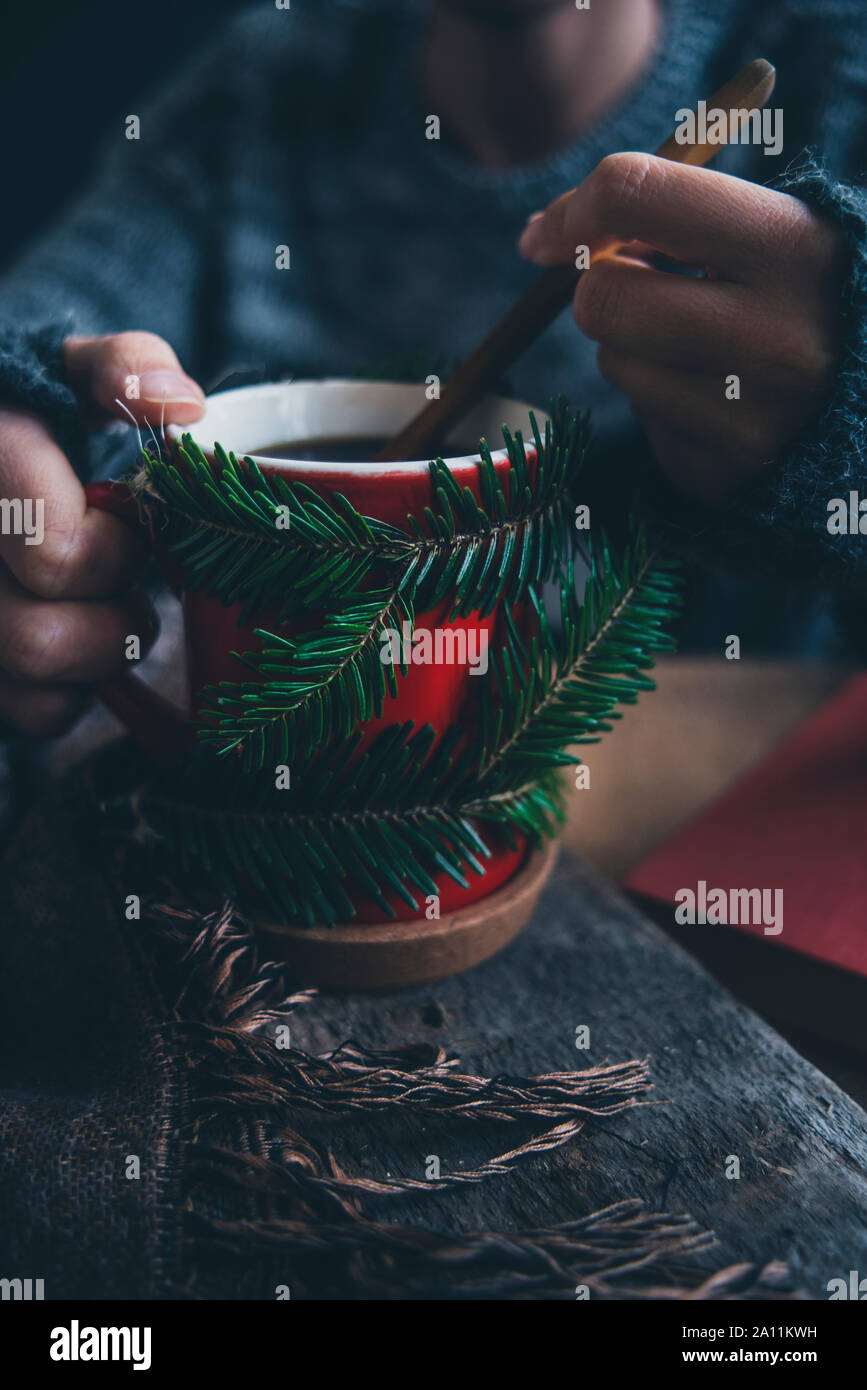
[343, 450]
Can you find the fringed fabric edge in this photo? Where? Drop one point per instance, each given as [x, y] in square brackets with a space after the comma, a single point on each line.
[303, 1207]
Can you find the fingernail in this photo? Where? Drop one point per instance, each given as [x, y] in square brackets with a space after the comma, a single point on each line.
[172, 387]
[531, 238]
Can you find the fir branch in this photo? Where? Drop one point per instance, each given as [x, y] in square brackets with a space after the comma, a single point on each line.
[311, 689]
[336, 826]
[242, 536]
[516, 536]
[303, 864]
[315, 686]
[411, 806]
[569, 690]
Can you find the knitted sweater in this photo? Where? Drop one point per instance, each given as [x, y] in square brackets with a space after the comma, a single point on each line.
[306, 128]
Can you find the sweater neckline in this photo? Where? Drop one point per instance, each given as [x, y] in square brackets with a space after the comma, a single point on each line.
[641, 119]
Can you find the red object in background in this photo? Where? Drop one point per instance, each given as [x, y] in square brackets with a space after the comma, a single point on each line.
[797, 822]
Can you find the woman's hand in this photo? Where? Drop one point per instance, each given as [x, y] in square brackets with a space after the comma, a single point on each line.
[66, 601]
[769, 313]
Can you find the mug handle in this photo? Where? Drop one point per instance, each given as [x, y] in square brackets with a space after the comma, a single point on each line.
[154, 722]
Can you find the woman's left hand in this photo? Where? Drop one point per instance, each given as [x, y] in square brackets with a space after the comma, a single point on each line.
[767, 316]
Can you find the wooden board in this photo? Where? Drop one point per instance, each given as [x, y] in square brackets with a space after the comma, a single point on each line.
[681, 746]
[733, 1087]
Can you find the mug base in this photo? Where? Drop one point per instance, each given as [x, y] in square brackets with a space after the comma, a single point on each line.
[395, 955]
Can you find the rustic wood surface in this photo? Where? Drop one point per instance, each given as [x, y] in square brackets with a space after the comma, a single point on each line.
[708, 721]
[732, 1087]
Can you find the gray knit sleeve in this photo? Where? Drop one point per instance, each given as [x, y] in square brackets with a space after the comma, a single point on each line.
[135, 251]
[778, 524]
[31, 379]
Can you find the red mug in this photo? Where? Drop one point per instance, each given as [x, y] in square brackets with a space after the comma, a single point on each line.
[258, 417]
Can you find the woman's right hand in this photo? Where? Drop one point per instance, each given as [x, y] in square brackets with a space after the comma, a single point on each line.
[68, 600]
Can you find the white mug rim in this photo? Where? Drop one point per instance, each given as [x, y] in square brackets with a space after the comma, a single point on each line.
[243, 395]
